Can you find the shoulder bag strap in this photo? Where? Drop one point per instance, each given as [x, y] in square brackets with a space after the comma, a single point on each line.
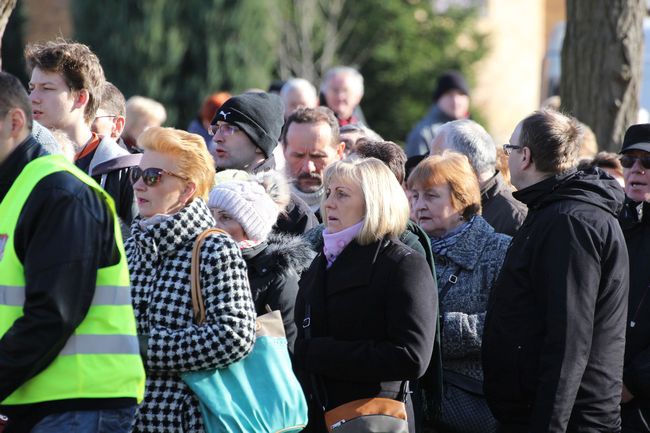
[195, 275]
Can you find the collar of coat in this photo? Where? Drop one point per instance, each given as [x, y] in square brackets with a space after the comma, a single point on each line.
[171, 234]
[467, 251]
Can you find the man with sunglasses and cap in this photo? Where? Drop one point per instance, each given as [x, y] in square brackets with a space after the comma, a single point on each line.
[245, 131]
[635, 221]
[68, 349]
[554, 336]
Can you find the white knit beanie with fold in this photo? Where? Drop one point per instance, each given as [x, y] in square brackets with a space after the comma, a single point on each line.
[249, 204]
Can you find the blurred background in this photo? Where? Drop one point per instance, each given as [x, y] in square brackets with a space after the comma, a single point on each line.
[180, 51]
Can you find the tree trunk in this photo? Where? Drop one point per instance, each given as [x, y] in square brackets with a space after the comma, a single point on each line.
[601, 66]
[6, 7]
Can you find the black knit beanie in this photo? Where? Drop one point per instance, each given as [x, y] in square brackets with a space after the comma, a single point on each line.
[259, 115]
[450, 80]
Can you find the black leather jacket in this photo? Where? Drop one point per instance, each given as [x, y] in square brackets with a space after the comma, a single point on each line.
[63, 235]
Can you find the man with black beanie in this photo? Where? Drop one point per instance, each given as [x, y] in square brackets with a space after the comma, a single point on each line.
[246, 130]
[450, 102]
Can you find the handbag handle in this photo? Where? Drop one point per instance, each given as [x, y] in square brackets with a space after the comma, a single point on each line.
[195, 275]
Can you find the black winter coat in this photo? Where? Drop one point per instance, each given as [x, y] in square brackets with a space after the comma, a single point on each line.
[636, 374]
[274, 268]
[373, 322]
[554, 336]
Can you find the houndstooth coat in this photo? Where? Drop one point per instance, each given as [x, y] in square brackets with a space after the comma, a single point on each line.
[159, 258]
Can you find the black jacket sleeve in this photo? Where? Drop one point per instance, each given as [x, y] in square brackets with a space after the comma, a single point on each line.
[63, 235]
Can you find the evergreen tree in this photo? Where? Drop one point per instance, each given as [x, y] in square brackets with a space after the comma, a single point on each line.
[407, 46]
[178, 52]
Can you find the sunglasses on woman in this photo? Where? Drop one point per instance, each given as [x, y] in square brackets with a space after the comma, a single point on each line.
[628, 161]
[150, 176]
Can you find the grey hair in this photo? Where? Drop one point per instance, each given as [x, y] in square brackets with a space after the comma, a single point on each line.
[367, 133]
[357, 77]
[472, 140]
[298, 84]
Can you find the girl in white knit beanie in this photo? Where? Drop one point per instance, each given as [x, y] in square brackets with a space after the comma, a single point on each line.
[247, 210]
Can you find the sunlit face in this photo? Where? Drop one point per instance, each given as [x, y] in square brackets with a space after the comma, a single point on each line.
[308, 151]
[169, 195]
[342, 95]
[235, 150]
[433, 209]
[454, 104]
[344, 205]
[514, 159]
[230, 225]
[104, 123]
[637, 178]
[53, 102]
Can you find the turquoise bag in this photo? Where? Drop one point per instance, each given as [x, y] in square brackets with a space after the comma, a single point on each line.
[259, 393]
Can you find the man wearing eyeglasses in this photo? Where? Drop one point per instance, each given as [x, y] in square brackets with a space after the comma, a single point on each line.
[245, 131]
[554, 335]
[635, 221]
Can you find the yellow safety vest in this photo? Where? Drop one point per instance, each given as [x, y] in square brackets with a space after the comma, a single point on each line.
[101, 358]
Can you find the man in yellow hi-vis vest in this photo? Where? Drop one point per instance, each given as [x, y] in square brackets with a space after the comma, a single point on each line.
[69, 358]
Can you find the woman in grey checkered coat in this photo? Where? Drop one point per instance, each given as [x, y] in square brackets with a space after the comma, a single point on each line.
[174, 177]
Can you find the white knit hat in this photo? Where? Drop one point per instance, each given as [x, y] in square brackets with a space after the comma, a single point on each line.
[249, 204]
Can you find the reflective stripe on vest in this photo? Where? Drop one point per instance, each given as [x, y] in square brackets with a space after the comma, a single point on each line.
[101, 358]
[111, 295]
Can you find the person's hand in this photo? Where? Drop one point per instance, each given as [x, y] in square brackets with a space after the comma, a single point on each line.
[626, 395]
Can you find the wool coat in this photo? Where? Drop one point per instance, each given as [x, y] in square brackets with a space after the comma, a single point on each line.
[473, 262]
[372, 318]
[159, 256]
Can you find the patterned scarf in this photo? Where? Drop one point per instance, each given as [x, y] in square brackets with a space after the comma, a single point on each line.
[440, 246]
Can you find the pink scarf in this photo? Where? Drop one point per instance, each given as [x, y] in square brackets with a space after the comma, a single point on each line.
[334, 243]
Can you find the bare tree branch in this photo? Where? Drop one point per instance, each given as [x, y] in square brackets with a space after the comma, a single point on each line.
[6, 8]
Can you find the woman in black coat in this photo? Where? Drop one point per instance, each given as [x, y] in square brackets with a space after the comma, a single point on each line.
[368, 302]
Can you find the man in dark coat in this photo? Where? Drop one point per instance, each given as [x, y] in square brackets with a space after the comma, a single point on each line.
[635, 221]
[554, 335]
[500, 209]
[246, 130]
[450, 102]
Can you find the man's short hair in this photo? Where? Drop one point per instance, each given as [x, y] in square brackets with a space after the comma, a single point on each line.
[77, 64]
[314, 115]
[553, 139]
[387, 152]
[472, 140]
[14, 95]
[112, 100]
[357, 78]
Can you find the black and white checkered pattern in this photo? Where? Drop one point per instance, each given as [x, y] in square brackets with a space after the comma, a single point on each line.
[159, 258]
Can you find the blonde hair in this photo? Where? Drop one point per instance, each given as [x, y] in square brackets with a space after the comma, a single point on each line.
[188, 150]
[385, 203]
[141, 110]
[453, 169]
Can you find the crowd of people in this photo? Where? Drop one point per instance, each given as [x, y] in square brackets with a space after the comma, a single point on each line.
[489, 289]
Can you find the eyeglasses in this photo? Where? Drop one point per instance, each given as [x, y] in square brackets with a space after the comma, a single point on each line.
[508, 148]
[150, 176]
[627, 161]
[226, 129]
[107, 115]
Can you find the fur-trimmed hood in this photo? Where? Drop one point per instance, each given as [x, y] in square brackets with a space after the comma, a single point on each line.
[283, 251]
